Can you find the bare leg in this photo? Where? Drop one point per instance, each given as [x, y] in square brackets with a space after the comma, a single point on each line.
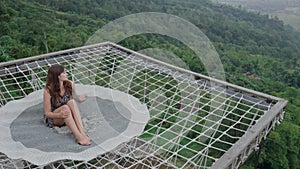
[60, 121]
[70, 122]
[80, 138]
[76, 116]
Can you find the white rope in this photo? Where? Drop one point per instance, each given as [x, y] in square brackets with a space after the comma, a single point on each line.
[179, 105]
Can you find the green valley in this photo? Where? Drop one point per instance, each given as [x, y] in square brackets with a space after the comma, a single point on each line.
[258, 51]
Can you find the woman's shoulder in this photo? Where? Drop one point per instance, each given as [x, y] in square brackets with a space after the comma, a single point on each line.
[46, 91]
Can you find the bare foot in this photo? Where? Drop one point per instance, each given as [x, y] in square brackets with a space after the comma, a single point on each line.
[88, 138]
[84, 141]
[84, 135]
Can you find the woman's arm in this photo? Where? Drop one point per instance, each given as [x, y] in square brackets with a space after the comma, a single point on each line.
[77, 97]
[47, 106]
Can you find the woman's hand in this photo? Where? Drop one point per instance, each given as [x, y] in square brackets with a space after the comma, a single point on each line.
[64, 113]
[81, 98]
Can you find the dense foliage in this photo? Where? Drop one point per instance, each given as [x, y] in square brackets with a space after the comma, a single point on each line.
[257, 51]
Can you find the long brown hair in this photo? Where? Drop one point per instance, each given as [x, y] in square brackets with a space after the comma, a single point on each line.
[52, 83]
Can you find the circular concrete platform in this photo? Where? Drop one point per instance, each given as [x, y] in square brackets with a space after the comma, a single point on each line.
[110, 118]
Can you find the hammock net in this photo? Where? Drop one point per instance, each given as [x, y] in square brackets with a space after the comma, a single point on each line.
[190, 120]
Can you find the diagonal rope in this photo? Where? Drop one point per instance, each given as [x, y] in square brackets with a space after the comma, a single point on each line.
[191, 123]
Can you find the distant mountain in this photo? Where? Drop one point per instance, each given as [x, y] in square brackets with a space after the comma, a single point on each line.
[286, 10]
[264, 5]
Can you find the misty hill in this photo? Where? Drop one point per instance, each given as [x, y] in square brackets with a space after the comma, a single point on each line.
[264, 5]
[287, 10]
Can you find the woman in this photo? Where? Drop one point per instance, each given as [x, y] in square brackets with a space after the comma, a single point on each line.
[59, 105]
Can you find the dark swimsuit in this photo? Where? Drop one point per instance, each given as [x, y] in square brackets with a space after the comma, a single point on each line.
[59, 102]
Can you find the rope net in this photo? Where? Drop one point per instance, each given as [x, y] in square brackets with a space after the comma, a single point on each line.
[192, 123]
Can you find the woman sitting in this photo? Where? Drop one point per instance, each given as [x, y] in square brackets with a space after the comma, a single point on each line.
[60, 107]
